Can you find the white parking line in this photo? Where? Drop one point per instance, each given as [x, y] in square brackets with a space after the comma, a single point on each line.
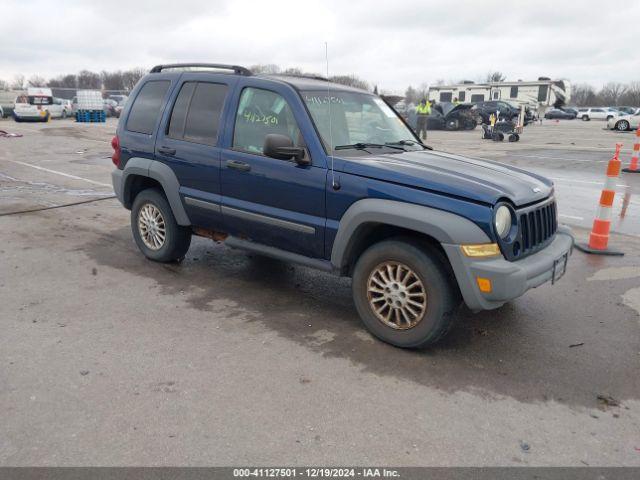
[573, 217]
[58, 173]
[590, 182]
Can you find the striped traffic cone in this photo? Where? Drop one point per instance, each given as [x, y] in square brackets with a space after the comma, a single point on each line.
[599, 236]
[634, 167]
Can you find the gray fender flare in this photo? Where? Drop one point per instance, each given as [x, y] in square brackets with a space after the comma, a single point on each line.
[445, 227]
[164, 175]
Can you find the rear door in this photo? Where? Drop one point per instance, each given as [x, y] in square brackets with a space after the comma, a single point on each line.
[273, 202]
[188, 143]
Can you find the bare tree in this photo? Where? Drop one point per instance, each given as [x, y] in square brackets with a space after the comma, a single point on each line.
[87, 79]
[269, 69]
[4, 85]
[112, 80]
[496, 77]
[611, 92]
[631, 95]
[410, 95]
[583, 95]
[131, 77]
[18, 82]
[37, 81]
[351, 81]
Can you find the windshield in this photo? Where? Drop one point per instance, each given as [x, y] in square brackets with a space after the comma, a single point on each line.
[357, 119]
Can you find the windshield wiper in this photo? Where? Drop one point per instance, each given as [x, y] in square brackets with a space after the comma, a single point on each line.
[410, 142]
[364, 146]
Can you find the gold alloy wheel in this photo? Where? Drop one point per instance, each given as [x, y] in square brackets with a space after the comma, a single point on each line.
[151, 226]
[396, 295]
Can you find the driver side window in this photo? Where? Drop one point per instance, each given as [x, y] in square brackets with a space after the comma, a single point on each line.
[261, 112]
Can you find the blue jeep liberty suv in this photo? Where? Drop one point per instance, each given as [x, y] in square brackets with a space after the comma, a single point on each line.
[330, 177]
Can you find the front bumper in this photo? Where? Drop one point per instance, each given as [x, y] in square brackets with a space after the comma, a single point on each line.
[509, 279]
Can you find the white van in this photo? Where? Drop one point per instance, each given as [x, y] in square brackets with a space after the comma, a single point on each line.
[39, 105]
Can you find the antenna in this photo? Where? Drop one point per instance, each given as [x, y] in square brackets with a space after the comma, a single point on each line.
[334, 185]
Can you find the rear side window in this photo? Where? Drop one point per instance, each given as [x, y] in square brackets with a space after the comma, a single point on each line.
[196, 113]
[446, 96]
[461, 96]
[146, 107]
[477, 98]
[514, 92]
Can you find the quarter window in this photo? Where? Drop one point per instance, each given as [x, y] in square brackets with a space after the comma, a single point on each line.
[446, 96]
[477, 98]
[462, 96]
[260, 113]
[196, 113]
[146, 107]
[514, 92]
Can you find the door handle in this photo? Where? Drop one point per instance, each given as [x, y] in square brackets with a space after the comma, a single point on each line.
[167, 151]
[243, 167]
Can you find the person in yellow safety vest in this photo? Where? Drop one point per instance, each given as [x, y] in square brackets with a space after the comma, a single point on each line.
[423, 111]
[456, 101]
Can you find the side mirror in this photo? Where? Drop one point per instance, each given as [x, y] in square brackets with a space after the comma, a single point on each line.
[281, 147]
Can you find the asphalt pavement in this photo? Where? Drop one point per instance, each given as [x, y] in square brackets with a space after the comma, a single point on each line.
[232, 359]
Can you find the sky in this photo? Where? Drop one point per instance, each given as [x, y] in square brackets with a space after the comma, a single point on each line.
[391, 44]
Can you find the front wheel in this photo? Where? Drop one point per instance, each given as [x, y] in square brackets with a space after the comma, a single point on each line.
[585, 118]
[622, 125]
[403, 293]
[155, 230]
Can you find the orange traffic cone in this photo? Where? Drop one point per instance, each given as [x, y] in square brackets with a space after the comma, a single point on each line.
[634, 167]
[599, 237]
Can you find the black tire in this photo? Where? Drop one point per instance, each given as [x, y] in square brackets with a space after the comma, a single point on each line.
[441, 292]
[452, 125]
[177, 238]
[513, 138]
[622, 126]
[585, 118]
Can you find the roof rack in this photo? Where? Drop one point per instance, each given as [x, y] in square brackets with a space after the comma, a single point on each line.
[236, 68]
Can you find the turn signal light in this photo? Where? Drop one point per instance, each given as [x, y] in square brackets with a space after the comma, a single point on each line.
[481, 250]
[484, 284]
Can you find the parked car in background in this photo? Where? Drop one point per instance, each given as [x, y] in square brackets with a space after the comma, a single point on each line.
[624, 122]
[38, 105]
[627, 110]
[571, 110]
[448, 116]
[597, 113]
[558, 113]
[505, 110]
[110, 107]
[120, 99]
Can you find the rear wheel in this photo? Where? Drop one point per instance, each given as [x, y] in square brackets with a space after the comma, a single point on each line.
[403, 293]
[585, 118]
[155, 229]
[622, 125]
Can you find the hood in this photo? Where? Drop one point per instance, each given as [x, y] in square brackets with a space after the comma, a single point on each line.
[448, 107]
[478, 180]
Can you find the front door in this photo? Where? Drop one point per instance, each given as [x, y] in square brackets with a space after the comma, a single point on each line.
[273, 202]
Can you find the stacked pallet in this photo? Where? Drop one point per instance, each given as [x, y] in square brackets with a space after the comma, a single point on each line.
[91, 116]
[90, 106]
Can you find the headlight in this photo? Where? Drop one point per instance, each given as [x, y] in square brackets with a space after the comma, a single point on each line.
[502, 221]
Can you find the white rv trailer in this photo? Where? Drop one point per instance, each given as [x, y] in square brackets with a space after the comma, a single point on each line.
[530, 94]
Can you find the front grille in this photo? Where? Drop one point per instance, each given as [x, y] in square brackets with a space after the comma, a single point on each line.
[537, 226]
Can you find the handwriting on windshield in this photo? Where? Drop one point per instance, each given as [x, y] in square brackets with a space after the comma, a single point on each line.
[319, 99]
[251, 117]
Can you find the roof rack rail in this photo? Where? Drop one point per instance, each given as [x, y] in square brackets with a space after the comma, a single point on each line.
[238, 70]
